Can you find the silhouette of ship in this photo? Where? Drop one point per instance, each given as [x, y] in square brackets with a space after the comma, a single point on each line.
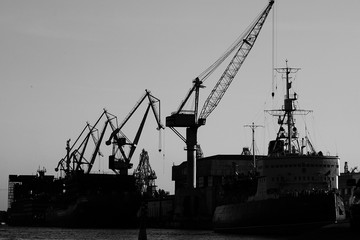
[96, 200]
[293, 186]
[80, 200]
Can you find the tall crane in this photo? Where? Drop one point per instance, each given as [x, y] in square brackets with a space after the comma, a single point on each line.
[193, 119]
[119, 160]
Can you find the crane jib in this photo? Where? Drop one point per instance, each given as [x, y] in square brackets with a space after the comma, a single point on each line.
[226, 78]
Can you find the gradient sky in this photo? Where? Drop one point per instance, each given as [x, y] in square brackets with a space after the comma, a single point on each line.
[62, 62]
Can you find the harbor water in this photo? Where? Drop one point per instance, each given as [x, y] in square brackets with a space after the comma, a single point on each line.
[25, 233]
[333, 231]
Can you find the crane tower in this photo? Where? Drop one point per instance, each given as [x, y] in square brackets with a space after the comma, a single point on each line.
[192, 120]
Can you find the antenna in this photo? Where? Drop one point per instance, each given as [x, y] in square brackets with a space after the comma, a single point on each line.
[253, 127]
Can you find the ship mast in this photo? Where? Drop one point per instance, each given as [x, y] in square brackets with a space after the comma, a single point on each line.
[288, 102]
[286, 117]
[253, 127]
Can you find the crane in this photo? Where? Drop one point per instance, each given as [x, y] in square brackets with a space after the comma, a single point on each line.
[144, 175]
[75, 153]
[119, 161]
[193, 119]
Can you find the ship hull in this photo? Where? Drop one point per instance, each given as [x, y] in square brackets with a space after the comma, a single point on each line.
[284, 213]
[85, 201]
[112, 211]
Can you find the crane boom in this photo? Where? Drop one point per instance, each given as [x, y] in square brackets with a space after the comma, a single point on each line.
[121, 164]
[226, 78]
[97, 148]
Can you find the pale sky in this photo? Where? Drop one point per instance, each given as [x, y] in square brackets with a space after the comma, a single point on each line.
[62, 62]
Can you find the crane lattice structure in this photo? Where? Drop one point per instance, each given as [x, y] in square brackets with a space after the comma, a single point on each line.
[144, 175]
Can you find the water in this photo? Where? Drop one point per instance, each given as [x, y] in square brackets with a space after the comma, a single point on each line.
[330, 232]
[23, 233]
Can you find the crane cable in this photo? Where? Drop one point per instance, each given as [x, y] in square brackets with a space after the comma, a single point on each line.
[274, 50]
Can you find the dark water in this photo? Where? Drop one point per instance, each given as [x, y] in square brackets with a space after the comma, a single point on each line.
[335, 231]
[23, 233]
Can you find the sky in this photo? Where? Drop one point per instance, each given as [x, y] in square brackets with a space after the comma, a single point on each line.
[63, 62]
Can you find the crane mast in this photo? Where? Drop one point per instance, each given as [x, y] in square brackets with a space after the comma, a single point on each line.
[192, 120]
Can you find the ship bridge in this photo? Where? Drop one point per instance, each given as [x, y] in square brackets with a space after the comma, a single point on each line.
[297, 173]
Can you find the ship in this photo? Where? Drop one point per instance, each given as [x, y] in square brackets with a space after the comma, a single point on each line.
[79, 200]
[292, 187]
[81, 197]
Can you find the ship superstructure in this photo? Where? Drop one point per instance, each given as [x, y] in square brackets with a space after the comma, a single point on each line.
[292, 164]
